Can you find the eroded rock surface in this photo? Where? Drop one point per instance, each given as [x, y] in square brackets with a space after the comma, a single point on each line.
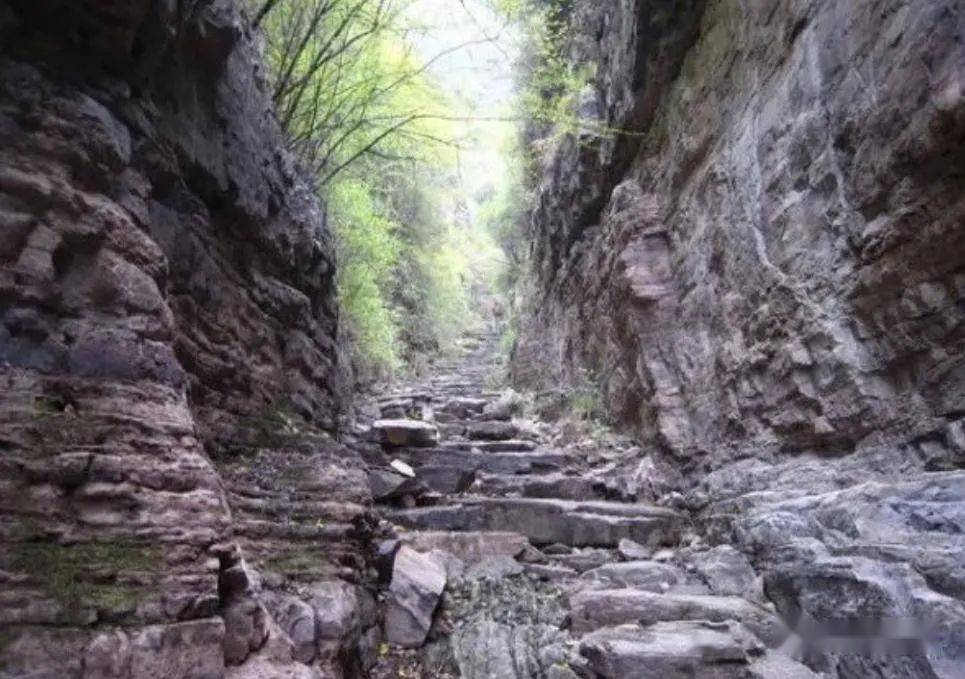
[764, 280]
[169, 369]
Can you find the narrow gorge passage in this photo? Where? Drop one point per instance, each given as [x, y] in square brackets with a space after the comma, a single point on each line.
[482, 339]
[517, 556]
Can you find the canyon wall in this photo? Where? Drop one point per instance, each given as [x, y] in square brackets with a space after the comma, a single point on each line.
[170, 368]
[761, 253]
[755, 251]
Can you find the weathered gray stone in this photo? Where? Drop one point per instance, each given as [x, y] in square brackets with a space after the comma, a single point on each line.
[646, 575]
[468, 546]
[388, 485]
[633, 551]
[493, 568]
[296, 619]
[669, 650]
[338, 618]
[593, 609]
[492, 431]
[726, 570]
[246, 629]
[402, 433]
[417, 584]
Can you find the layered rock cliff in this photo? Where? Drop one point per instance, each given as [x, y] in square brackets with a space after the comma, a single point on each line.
[754, 251]
[762, 253]
[169, 359]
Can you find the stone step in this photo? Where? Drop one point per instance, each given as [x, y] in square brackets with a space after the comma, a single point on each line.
[593, 609]
[509, 446]
[494, 430]
[601, 524]
[522, 462]
[406, 433]
[472, 546]
[649, 576]
[470, 419]
[561, 486]
[697, 650]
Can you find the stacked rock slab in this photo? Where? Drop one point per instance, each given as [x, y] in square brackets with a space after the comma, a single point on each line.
[771, 262]
[169, 496]
[490, 578]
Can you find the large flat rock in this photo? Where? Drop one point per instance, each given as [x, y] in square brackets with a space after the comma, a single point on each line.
[468, 546]
[492, 430]
[601, 524]
[403, 433]
[547, 485]
[594, 609]
[669, 650]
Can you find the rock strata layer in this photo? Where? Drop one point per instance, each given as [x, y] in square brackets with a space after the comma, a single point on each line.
[768, 261]
[171, 502]
[752, 253]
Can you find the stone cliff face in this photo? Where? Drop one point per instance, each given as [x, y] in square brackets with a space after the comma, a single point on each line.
[168, 357]
[764, 274]
[770, 260]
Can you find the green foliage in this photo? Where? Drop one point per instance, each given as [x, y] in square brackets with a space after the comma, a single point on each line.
[551, 84]
[347, 85]
[365, 117]
[585, 399]
[369, 250]
[504, 216]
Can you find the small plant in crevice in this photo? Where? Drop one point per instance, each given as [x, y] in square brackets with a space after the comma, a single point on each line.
[586, 409]
[585, 399]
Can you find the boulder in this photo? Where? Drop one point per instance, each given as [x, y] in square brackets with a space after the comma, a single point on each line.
[417, 584]
[389, 485]
[463, 408]
[337, 617]
[505, 407]
[246, 629]
[725, 570]
[297, 620]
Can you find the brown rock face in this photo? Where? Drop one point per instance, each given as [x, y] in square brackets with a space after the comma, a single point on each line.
[772, 261]
[166, 299]
[766, 280]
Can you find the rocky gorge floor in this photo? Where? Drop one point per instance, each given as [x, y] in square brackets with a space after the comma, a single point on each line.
[512, 548]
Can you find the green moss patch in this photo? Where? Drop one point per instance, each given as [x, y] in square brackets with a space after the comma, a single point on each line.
[84, 575]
